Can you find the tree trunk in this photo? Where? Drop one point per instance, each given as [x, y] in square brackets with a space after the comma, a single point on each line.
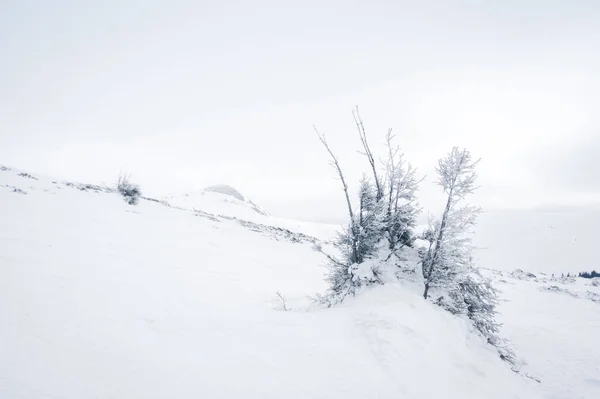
[438, 240]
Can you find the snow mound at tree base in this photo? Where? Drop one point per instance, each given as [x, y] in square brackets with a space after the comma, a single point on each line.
[411, 340]
[99, 298]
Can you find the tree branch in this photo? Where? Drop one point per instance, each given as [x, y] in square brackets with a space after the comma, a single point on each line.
[363, 138]
[334, 162]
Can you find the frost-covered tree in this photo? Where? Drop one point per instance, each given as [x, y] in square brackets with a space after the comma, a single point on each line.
[396, 192]
[356, 242]
[400, 186]
[385, 217]
[449, 252]
[371, 219]
[447, 262]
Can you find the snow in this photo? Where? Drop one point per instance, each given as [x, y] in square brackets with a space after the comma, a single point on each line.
[218, 202]
[100, 299]
[225, 200]
[547, 241]
[365, 270]
[226, 190]
[555, 327]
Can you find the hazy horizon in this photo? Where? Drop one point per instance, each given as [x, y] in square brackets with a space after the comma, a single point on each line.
[187, 94]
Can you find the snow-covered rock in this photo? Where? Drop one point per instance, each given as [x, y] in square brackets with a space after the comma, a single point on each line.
[522, 275]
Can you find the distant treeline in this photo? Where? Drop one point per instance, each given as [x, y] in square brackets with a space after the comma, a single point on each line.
[591, 274]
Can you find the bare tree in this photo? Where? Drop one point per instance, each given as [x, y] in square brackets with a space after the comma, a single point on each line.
[282, 299]
[391, 167]
[335, 163]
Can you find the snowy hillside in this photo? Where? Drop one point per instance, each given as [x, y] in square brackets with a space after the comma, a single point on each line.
[226, 201]
[554, 324]
[101, 299]
[219, 199]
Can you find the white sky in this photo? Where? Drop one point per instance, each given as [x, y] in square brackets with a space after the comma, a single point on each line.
[187, 94]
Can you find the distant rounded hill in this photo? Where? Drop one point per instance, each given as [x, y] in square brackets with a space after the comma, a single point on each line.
[219, 199]
[227, 190]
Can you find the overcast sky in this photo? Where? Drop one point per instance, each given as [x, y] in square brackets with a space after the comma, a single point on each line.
[183, 94]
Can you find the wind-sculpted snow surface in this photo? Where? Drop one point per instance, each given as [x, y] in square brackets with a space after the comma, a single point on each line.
[101, 299]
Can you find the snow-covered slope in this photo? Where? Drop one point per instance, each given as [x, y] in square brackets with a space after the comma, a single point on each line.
[219, 199]
[100, 299]
[226, 201]
[554, 325]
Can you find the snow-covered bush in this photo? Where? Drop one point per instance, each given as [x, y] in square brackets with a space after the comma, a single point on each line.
[130, 191]
[476, 297]
[27, 175]
[557, 289]
[592, 296]
[522, 275]
[357, 245]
